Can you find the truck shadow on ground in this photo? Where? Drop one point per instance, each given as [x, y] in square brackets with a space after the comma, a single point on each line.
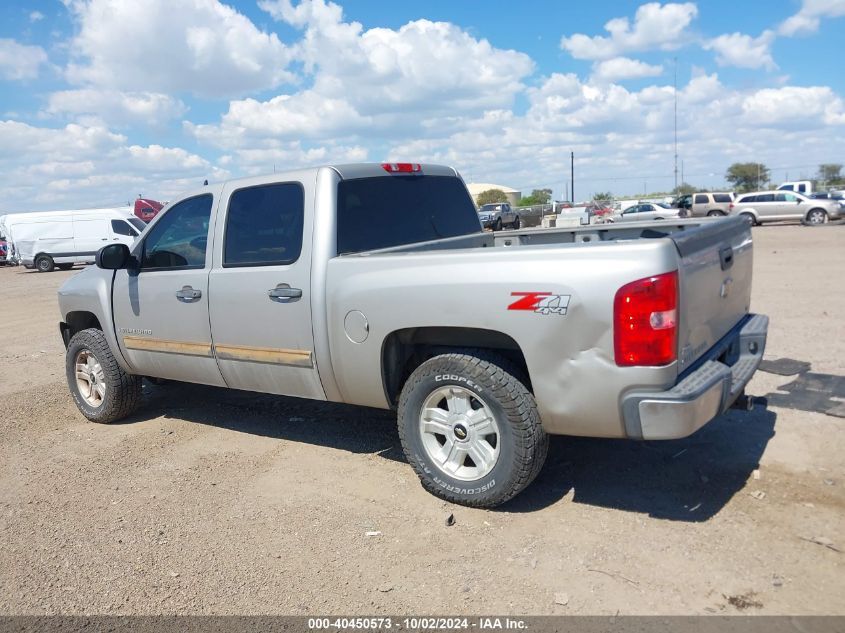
[683, 480]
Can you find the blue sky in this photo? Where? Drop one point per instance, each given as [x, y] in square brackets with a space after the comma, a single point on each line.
[107, 99]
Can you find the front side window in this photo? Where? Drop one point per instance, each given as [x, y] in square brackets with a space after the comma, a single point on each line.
[119, 227]
[264, 225]
[179, 238]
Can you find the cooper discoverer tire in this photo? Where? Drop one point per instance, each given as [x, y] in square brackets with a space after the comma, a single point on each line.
[459, 408]
[102, 391]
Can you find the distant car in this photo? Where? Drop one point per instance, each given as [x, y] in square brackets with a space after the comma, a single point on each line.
[772, 206]
[647, 211]
[4, 252]
[498, 214]
[709, 204]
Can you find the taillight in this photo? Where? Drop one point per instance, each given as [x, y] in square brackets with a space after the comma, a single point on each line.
[402, 168]
[731, 206]
[645, 321]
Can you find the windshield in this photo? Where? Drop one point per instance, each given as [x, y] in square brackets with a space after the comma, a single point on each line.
[490, 207]
[664, 205]
[389, 211]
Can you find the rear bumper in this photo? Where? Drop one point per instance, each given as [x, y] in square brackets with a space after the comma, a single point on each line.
[703, 393]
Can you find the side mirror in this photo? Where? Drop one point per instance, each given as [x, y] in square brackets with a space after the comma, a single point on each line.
[113, 257]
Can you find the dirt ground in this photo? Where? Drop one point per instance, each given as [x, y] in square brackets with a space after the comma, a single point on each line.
[218, 502]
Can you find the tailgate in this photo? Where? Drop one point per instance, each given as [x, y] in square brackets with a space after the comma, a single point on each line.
[714, 282]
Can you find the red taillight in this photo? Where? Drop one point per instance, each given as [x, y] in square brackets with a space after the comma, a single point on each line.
[730, 206]
[645, 321]
[402, 168]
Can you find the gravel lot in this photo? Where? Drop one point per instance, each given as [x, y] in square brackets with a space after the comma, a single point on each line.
[218, 502]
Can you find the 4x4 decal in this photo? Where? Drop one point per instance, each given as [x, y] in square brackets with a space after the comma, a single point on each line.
[540, 302]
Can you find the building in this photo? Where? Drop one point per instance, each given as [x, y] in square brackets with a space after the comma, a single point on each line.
[476, 188]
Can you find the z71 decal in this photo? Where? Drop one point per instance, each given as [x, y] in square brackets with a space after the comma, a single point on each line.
[540, 302]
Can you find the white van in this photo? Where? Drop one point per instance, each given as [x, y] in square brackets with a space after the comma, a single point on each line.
[60, 239]
[800, 186]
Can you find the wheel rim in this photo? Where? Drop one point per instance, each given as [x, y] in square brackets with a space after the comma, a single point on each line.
[459, 433]
[43, 264]
[816, 217]
[90, 379]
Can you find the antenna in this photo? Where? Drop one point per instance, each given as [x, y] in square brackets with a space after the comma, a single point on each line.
[675, 93]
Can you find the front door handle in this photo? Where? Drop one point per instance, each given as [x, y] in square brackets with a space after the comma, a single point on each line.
[284, 291]
[188, 294]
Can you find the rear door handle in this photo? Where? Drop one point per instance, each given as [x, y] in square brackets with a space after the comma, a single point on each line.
[188, 294]
[284, 291]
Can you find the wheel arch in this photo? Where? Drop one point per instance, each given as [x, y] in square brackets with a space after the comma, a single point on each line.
[77, 321]
[406, 349]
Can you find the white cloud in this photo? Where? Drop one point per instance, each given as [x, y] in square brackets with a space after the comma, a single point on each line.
[655, 26]
[20, 61]
[796, 107]
[116, 107]
[620, 68]
[199, 46]
[376, 80]
[808, 18]
[743, 51]
[88, 166]
[36, 16]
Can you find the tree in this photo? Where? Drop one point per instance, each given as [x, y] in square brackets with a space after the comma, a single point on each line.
[684, 188]
[603, 195]
[491, 195]
[538, 196]
[830, 172]
[747, 176]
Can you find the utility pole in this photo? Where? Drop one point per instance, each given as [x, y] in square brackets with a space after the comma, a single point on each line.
[567, 193]
[682, 171]
[572, 175]
[675, 93]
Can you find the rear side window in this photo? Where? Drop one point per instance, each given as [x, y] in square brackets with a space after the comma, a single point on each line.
[744, 199]
[701, 198]
[389, 211]
[766, 197]
[264, 225]
[179, 239]
[721, 197]
[122, 228]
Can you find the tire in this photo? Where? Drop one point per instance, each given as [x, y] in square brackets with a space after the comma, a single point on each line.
[44, 264]
[816, 216]
[487, 384]
[113, 394]
[498, 224]
[64, 266]
[516, 223]
[715, 214]
[750, 217]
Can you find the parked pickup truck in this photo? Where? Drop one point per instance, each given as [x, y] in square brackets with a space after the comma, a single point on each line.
[373, 285]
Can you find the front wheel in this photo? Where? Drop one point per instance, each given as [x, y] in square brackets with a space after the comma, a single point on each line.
[497, 226]
[816, 216]
[44, 264]
[102, 391]
[470, 429]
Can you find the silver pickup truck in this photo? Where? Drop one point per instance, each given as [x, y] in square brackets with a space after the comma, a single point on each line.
[374, 284]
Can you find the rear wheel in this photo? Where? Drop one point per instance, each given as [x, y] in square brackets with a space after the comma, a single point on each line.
[44, 264]
[750, 217]
[102, 391]
[816, 216]
[516, 223]
[715, 214]
[470, 428]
